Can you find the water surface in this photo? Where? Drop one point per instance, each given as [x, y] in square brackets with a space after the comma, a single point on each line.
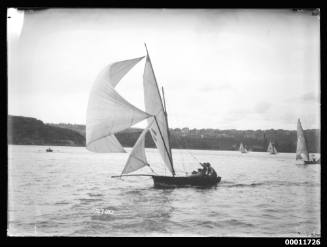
[70, 192]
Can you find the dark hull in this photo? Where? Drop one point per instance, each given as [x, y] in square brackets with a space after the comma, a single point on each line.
[310, 162]
[173, 182]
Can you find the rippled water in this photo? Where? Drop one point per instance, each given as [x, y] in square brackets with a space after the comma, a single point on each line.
[70, 192]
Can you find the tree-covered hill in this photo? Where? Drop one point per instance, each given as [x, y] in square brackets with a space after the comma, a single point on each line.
[215, 139]
[31, 131]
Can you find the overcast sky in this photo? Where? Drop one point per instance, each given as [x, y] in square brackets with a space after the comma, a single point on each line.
[222, 69]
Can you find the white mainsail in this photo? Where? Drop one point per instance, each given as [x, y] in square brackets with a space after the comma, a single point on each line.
[275, 150]
[242, 148]
[137, 158]
[154, 106]
[271, 148]
[108, 112]
[301, 147]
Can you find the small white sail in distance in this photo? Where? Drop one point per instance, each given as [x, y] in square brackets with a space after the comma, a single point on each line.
[271, 148]
[275, 150]
[242, 148]
[108, 112]
[301, 147]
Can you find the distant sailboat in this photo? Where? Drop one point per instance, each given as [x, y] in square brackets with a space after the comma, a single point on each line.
[242, 149]
[301, 147]
[271, 148]
[109, 113]
[49, 150]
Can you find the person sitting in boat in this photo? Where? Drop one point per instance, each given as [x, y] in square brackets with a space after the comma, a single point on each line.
[206, 168]
[209, 170]
[197, 173]
[212, 172]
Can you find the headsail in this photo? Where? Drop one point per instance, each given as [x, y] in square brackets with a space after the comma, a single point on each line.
[301, 147]
[108, 112]
[137, 158]
[154, 106]
[275, 150]
[242, 148]
[271, 148]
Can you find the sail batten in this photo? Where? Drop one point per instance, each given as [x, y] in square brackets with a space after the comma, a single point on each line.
[108, 112]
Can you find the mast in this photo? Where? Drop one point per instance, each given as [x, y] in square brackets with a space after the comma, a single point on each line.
[168, 151]
[164, 102]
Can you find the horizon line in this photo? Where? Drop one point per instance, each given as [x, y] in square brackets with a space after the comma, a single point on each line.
[171, 127]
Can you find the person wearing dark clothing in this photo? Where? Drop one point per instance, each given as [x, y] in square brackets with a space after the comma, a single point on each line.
[213, 173]
[205, 170]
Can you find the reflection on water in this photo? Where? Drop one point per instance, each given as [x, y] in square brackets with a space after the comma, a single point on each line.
[70, 192]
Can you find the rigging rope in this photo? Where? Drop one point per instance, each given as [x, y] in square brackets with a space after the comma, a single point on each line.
[188, 152]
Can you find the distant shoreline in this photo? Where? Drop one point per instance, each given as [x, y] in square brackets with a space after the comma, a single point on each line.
[31, 131]
[52, 146]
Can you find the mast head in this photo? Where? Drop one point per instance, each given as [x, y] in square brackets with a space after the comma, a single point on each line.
[146, 48]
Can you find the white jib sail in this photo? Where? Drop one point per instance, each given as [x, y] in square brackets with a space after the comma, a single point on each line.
[301, 147]
[137, 158]
[275, 150]
[108, 112]
[270, 148]
[154, 106]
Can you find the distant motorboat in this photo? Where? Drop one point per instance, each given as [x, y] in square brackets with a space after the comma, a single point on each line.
[271, 148]
[301, 147]
[49, 150]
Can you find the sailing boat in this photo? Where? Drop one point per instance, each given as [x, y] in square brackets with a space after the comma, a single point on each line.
[301, 147]
[108, 113]
[271, 148]
[242, 149]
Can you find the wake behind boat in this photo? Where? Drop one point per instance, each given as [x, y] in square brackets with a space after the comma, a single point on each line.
[301, 147]
[108, 113]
